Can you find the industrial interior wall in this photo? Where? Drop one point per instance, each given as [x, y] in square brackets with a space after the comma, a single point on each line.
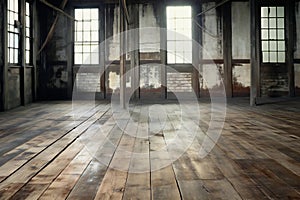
[212, 69]
[149, 47]
[54, 72]
[297, 49]
[13, 98]
[241, 69]
[112, 26]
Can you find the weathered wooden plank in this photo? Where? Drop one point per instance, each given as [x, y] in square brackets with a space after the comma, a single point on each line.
[267, 180]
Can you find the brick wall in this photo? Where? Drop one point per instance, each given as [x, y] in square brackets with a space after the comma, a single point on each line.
[88, 82]
[179, 82]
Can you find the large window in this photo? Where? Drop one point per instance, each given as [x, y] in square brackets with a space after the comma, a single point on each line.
[179, 36]
[13, 32]
[28, 33]
[272, 34]
[86, 47]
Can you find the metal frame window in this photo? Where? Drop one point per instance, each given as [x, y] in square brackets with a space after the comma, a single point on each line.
[86, 46]
[13, 32]
[273, 34]
[179, 36]
[28, 34]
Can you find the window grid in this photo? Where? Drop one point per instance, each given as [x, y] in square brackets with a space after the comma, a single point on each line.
[13, 33]
[86, 48]
[28, 36]
[179, 34]
[272, 34]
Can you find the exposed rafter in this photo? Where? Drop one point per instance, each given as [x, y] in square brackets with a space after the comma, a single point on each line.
[51, 31]
[57, 9]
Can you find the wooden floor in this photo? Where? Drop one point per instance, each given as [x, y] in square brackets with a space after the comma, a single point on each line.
[44, 154]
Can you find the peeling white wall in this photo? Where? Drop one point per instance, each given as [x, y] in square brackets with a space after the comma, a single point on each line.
[241, 74]
[114, 41]
[212, 33]
[149, 38]
[210, 76]
[240, 30]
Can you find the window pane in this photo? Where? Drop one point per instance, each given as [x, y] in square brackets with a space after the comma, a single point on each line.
[78, 36]
[265, 45]
[78, 26]
[16, 56]
[281, 45]
[272, 23]
[86, 58]
[281, 56]
[171, 24]
[273, 56]
[264, 23]
[280, 11]
[27, 43]
[95, 48]
[171, 57]
[78, 48]
[16, 39]
[280, 33]
[272, 11]
[188, 57]
[179, 57]
[179, 42]
[280, 22]
[27, 57]
[94, 25]
[187, 46]
[86, 14]
[87, 35]
[171, 35]
[11, 40]
[16, 5]
[264, 11]
[11, 18]
[27, 32]
[273, 46]
[78, 58]
[273, 34]
[265, 56]
[94, 36]
[86, 26]
[78, 14]
[171, 46]
[179, 46]
[11, 56]
[86, 48]
[264, 34]
[94, 58]
[94, 14]
[27, 9]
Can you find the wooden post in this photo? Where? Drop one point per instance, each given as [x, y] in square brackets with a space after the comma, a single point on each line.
[102, 58]
[290, 12]
[255, 62]
[196, 33]
[134, 54]
[163, 50]
[227, 48]
[22, 53]
[122, 58]
[34, 32]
